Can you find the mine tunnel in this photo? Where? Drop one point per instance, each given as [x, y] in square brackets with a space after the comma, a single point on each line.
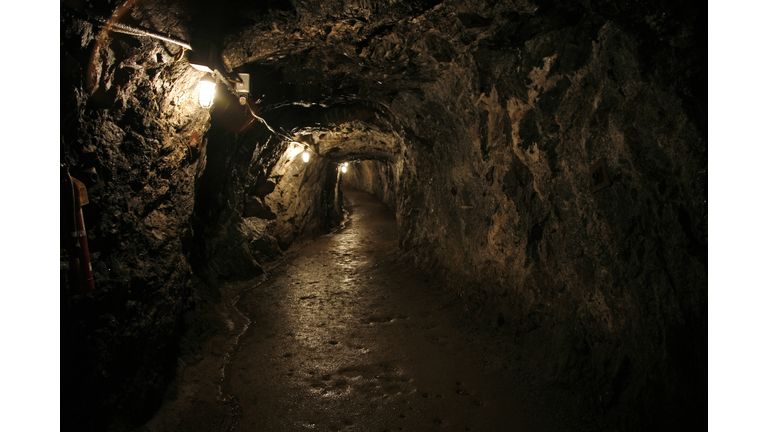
[423, 215]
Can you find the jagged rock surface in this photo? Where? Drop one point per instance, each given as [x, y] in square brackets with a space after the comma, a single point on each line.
[177, 207]
[127, 120]
[477, 122]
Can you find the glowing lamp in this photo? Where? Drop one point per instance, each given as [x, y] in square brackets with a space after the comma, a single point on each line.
[305, 156]
[344, 169]
[206, 90]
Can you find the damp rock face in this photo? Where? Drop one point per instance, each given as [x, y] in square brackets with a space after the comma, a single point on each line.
[256, 197]
[178, 205]
[546, 160]
[502, 113]
[376, 178]
[133, 133]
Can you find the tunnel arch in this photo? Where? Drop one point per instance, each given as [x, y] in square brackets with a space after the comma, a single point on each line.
[479, 124]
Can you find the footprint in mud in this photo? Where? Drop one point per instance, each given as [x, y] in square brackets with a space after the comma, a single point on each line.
[373, 392]
[393, 390]
[376, 381]
[325, 386]
[377, 319]
[354, 374]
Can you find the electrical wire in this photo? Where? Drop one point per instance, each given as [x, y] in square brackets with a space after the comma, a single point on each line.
[227, 82]
[125, 29]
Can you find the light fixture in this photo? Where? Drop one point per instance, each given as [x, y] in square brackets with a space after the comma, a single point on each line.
[206, 90]
[305, 155]
[243, 84]
[344, 167]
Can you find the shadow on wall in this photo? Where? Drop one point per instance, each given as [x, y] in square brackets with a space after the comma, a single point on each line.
[256, 197]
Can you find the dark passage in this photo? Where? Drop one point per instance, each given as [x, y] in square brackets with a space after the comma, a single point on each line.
[207, 281]
[345, 335]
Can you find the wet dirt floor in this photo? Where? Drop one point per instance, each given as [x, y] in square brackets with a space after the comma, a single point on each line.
[346, 335]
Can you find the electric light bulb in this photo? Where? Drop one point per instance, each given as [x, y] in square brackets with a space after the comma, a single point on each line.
[344, 168]
[206, 89]
[305, 155]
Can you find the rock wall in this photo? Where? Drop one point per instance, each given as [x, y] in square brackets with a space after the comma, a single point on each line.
[131, 130]
[257, 196]
[507, 110]
[374, 177]
[480, 123]
[497, 198]
[178, 205]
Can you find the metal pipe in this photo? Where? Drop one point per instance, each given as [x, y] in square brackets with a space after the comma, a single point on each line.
[125, 29]
[122, 28]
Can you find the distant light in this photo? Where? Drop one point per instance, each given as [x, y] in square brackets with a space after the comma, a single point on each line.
[344, 168]
[305, 155]
[206, 89]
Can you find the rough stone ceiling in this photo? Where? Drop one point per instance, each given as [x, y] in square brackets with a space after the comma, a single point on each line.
[334, 65]
[340, 65]
[370, 51]
[489, 114]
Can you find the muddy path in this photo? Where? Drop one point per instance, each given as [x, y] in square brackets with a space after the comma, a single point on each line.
[345, 335]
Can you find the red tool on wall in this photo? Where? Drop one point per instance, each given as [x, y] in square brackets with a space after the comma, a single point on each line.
[80, 271]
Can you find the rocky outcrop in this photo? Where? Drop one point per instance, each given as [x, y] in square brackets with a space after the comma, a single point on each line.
[503, 112]
[546, 160]
[131, 130]
[177, 207]
[611, 283]
[257, 196]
